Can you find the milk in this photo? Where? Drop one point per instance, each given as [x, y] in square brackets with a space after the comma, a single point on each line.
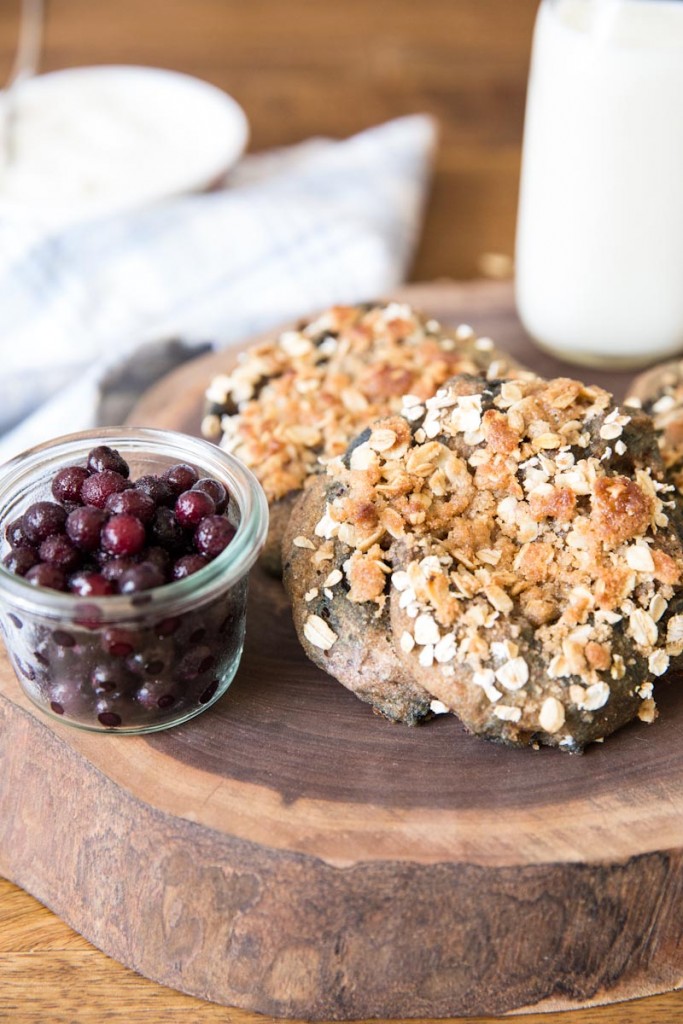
[600, 232]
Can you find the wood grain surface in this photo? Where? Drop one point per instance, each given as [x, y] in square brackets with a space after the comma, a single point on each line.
[319, 67]
[50, 975]
[411, 873]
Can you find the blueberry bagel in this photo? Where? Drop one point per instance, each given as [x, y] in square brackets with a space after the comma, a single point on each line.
[534, 569]
[297, 399]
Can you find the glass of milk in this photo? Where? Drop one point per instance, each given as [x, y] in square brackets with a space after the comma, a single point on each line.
[599, 257]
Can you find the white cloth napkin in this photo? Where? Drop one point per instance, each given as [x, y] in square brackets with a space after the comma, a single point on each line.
[91, 316]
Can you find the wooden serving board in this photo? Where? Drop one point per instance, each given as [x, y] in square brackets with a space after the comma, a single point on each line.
[290, 852]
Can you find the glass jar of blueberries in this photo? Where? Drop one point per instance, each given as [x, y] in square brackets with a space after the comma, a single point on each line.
[124, 575]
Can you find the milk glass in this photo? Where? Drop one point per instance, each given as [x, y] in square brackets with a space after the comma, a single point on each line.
[599, 257]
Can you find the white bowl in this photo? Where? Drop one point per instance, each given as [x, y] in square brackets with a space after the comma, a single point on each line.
[90, 141]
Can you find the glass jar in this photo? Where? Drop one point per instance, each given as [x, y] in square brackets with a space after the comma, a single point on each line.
[145, 661]
[599, 258]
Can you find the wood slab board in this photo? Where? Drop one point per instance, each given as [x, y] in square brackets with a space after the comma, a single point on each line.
[292, 853]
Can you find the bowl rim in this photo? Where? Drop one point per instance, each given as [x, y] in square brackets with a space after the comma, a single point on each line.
[227, 569]
[229, 145]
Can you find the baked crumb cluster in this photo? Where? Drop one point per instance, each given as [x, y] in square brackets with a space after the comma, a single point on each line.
[295, 401]
[529, 549]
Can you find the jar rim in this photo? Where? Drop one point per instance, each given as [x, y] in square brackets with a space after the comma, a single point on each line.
[219, 575]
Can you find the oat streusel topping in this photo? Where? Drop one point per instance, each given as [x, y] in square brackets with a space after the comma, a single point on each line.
[295, 401]
[533, 566]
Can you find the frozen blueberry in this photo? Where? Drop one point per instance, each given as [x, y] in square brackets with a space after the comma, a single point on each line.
[123, 536]
[43, 519]
[158, 489]
[167, 627]
[213, 535]
[67, 484]
[20, 560]
[155, 694]
[83, 527]
[66, 698]
[119, 642]
[97, 488]
[114, 568]
[193, 506]
[63, 638]
[149, 662]
[166, 530]
[45, 575]
[187, 565]
[105, 715]
[89, 616]
[104, 458]
[90, 584]
[27, 671]
[140, 577]
[109, 678]
[195, 662]
[58, 550]
[160, 557]
[181, 477]
[132, 502]
[15, 535]
[209, 692]
[215, 490]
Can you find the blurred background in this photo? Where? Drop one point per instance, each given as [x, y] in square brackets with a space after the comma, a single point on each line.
[316, 67]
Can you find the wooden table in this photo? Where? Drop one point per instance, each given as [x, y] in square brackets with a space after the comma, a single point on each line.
[49, 973]
[300, 69]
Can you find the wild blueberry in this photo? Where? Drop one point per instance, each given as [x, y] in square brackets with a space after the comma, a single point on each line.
[42, 519]
[213, 535]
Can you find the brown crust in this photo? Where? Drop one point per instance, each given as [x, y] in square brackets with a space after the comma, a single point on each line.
[362, 657]
[280, 511]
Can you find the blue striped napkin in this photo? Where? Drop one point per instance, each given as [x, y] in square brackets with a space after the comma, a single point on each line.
[91, 316]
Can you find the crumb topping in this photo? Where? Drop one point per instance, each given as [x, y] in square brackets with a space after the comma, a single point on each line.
[318, 633]
[295, 401]
[517, 528]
